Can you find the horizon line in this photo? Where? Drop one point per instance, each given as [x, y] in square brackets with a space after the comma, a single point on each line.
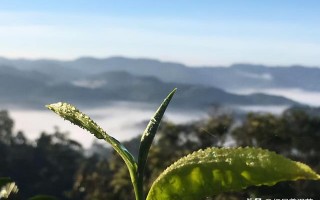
[152, 59]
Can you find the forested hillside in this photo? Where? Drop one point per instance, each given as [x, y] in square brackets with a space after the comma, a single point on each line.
[57, 166]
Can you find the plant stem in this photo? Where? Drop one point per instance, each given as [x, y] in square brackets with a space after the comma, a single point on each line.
[138, 192]
[140, 185]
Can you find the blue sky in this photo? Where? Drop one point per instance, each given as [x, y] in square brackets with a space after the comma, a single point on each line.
[192, 32]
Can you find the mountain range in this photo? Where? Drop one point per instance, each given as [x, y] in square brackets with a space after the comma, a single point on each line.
[237, 76]
[92, 81]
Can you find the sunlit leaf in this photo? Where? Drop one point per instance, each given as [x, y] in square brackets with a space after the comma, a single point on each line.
[209, 172]
[4, 181]
[7, 187]
[72, 114]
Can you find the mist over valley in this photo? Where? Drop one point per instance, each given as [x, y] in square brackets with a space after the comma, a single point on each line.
[120, 93]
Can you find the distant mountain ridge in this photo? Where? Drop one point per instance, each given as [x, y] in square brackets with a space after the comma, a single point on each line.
[34, 88]
[91, 81]
[238, 76]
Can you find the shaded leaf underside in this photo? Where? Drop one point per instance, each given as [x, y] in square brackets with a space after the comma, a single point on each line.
[148, 136]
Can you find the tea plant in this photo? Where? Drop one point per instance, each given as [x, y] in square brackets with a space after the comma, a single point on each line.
[7, 187]
[200, 174]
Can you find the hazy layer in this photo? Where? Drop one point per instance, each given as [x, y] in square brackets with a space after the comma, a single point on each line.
[121, 120]
[124, 120]
[307, 97]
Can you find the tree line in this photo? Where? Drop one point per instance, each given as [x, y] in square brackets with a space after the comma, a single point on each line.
[58, 166]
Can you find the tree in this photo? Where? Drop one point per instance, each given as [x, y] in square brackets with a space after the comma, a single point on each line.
[46, 167]
[294, 134]
[6, 125]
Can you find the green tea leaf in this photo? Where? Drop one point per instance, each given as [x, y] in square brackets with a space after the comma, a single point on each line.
[148, 135]
[209, 172]
[7, 187]
[72, 114]
[4, 181]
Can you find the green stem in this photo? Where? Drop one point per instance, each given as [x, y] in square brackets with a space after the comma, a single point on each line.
[140, 184]
[138, 191]
[135, 182]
